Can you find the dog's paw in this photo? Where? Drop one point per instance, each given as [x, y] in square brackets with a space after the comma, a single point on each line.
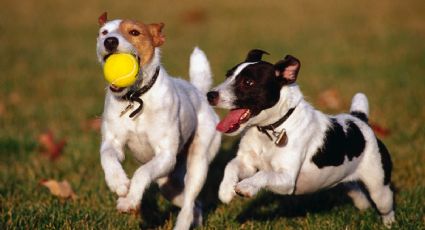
[388, 219]
[226, 192]
[127, 205]
[246, 189]
[118, 184]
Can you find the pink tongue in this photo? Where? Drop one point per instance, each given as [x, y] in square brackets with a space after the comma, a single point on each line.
[232, 119]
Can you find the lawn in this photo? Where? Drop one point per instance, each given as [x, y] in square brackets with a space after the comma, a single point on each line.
[51, 81]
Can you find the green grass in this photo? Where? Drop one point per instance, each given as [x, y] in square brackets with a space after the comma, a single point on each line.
[51, 80]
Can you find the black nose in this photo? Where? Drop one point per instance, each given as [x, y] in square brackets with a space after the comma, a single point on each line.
[111, 43]
[212, 97]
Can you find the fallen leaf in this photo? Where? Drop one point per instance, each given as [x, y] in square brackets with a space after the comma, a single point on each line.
[2, 109]
[15, 98]
[93, 124]
[193, 16]
[330, 99]
[49, 146]
[380, 130]
[60, 189]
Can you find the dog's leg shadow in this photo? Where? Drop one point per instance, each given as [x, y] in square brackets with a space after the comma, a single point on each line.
[155, 210]
[266, 205]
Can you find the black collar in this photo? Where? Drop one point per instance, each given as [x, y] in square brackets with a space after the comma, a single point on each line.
[134, 95]
[272, 127]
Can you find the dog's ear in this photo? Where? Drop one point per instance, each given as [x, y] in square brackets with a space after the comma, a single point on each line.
[255, 55]
[288, 68]
[102, 18]
[156, 31]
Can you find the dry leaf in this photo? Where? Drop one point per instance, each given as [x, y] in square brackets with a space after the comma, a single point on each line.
[93, 124]
[49, 146]
[15, 98]
[330, 99]
[380, 130]
[2, 109]
[60, 189]
[193, 16]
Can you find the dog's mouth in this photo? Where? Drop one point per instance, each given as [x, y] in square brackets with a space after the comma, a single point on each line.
[233, 120]
[116, 89]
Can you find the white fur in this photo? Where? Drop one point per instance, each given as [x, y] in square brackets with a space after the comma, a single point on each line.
[200, 71]
[174, 112]
[260, 164]
[360, 104]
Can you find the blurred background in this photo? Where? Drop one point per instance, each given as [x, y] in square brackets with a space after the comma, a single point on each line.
[52, 92]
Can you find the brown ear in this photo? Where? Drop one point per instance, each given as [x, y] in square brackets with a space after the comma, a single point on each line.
[288, 68]
[156, 31]
[102, 18]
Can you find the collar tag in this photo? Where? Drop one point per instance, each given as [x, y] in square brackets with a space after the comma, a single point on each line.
[281, 138]
[129, 106]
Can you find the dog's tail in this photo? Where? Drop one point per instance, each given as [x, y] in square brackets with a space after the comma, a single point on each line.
[200, 71]
[360, 107]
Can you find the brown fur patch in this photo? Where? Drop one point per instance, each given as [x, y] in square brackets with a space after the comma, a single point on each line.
[145, 40]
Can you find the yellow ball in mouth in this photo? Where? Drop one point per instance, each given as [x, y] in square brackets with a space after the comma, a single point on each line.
[121, 69]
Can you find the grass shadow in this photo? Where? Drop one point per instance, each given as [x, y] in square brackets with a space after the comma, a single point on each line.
[209, 193]
[155, 210]
[267, 206]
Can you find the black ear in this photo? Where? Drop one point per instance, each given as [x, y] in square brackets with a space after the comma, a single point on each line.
[288, 68]
[255, 55]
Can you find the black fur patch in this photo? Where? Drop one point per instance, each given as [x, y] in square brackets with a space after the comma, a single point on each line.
[339, 144]
[387, 165]
[257, 88]
[231, 71]
[360, 115]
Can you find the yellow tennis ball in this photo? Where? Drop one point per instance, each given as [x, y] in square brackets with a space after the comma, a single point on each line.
[121, 69]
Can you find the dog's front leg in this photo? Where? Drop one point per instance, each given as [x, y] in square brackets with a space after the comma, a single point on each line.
[281, 183]
[279, 179]
[158, 167]
[234, 171]
[111, 155]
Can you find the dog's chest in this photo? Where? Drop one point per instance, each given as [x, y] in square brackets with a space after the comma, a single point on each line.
[140, 147]
[264, 154]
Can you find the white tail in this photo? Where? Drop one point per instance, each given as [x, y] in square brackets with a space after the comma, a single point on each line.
[359, 103]
[200, 71]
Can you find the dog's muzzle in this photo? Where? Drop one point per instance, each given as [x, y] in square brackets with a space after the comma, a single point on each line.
[212, 97]
[111, 44]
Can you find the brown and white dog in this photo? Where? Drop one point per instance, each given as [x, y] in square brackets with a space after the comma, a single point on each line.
[288, 147]
[171, 130]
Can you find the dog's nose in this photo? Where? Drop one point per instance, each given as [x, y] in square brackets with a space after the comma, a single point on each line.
[212, 97]
[111, 43]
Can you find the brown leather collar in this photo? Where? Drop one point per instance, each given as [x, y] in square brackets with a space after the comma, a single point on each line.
[273, 126]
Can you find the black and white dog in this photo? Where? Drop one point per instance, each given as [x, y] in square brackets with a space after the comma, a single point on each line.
[288, 147]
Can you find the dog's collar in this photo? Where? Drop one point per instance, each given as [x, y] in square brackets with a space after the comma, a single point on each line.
[134, 95]
[281, 138]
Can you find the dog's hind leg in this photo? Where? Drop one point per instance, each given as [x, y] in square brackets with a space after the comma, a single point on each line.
[197, 168]
[172, 186]
[196, 174]
[358, 196]
[377, 182]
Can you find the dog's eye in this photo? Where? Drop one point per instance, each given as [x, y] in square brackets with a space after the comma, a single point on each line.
[134, 32]
[249, 82]
[105, 32]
